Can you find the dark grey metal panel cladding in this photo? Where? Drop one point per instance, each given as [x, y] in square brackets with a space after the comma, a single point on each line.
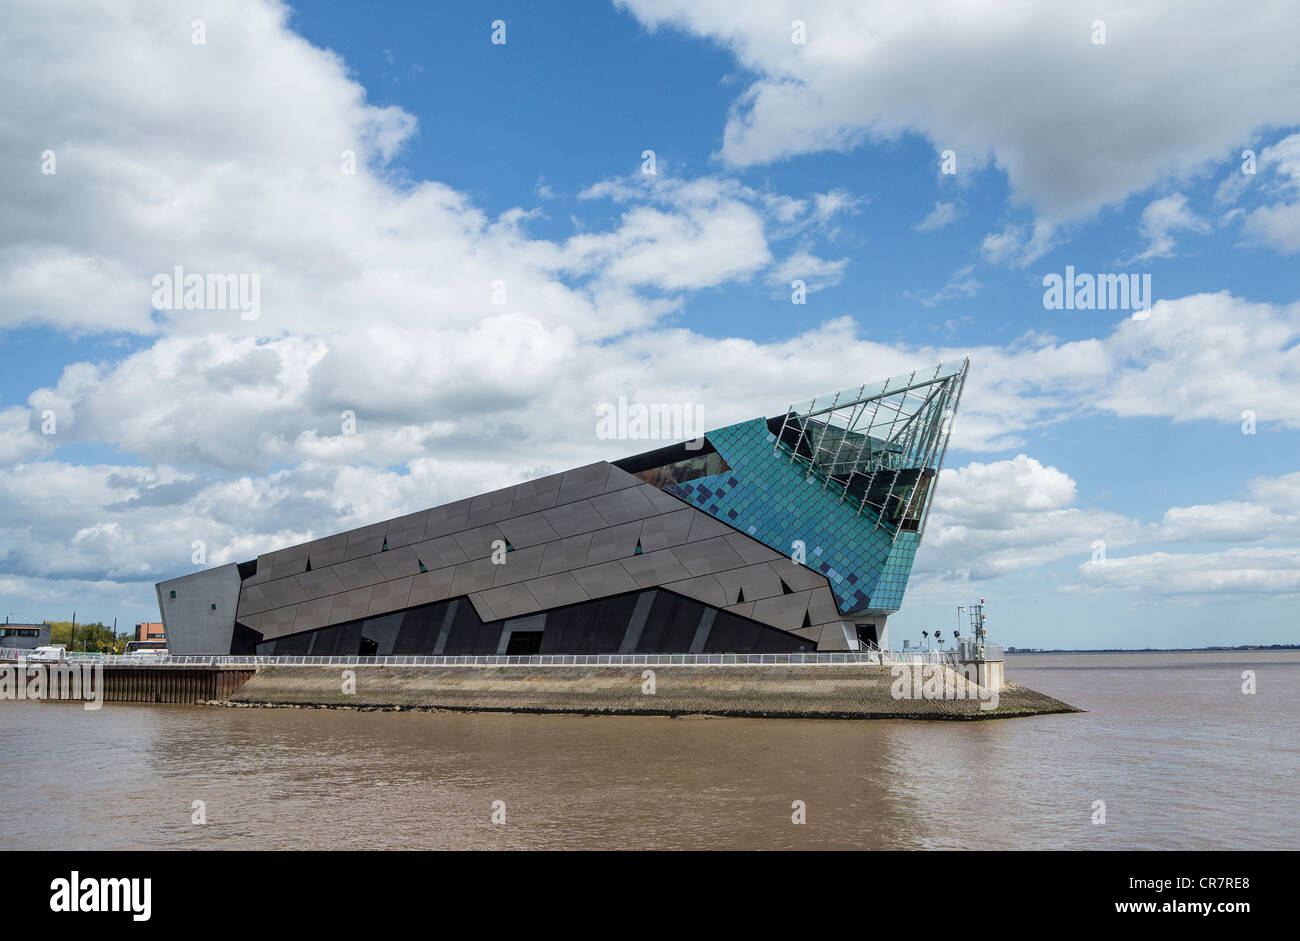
[200, 619]
[590, 533]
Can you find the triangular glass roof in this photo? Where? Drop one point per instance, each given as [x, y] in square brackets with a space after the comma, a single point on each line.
[881, 443]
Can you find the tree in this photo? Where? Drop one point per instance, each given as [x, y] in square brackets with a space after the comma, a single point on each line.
[87, 637]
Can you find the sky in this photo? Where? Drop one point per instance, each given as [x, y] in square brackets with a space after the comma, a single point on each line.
[460, 254]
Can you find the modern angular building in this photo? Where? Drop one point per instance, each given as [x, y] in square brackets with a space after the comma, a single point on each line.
[785, 534]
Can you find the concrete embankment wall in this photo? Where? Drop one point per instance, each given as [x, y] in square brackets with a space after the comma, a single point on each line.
[812, 691]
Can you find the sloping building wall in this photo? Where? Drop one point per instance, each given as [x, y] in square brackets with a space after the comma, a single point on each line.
[202, 607]
[591, 533]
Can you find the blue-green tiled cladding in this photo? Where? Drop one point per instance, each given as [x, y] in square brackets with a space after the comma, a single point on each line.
[768, 497]
[888, 593]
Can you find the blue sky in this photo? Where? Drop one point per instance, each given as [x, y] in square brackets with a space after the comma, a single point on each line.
[774, 160]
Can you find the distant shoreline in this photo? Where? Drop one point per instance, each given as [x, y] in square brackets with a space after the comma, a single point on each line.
[1015, 651]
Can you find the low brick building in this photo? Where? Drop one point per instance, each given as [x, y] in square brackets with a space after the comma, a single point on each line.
[150, 630]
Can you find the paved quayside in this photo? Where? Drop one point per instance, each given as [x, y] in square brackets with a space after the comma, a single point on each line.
[842, 690]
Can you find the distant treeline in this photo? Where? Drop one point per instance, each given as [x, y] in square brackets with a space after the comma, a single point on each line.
[94, 636]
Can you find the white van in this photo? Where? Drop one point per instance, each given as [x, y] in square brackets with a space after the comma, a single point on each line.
[146, 650]
[55, 653]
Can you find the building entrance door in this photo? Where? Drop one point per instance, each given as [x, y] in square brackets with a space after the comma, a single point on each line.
[524, 643]
[867, 635]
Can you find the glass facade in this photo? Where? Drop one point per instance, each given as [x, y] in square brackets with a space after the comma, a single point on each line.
[850, 479]
[680, 471]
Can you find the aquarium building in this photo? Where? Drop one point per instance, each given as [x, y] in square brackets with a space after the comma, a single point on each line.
[783, 534]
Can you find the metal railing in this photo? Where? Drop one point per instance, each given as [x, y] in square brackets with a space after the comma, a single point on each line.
[538, 660]
[547, 660]
[21, 654]
[12, 655]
